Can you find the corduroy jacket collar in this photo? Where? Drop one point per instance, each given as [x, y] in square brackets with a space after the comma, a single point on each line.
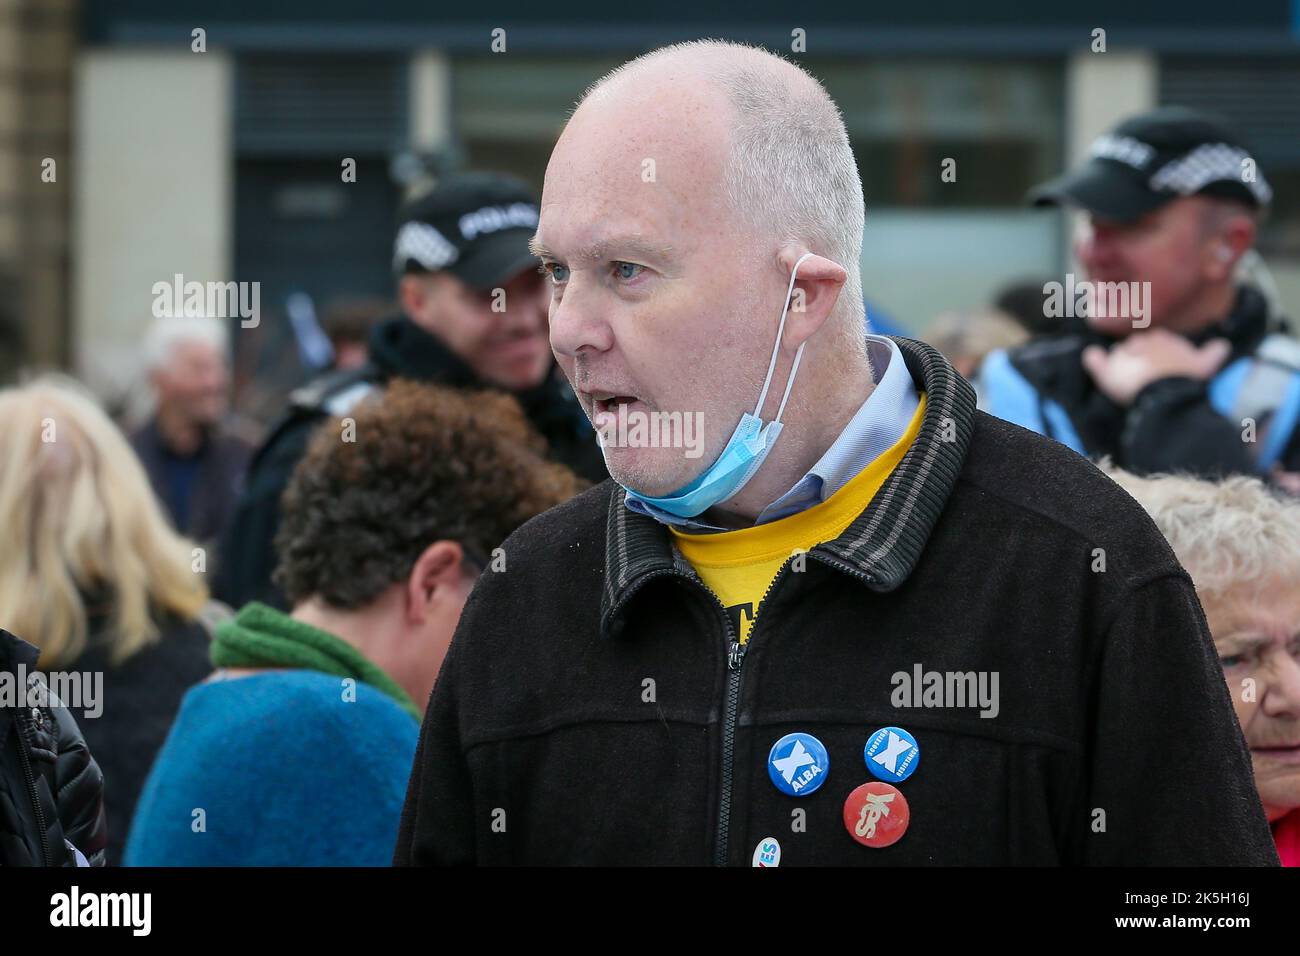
[880, 547]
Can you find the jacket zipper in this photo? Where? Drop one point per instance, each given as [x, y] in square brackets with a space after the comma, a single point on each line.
[25, 759]
[735, 659]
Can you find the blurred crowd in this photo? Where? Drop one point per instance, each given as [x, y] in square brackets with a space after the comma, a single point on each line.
[228, 580]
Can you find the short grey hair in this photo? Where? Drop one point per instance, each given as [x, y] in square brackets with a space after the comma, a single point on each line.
[169, 331]
[791, 171]
[1232, 536]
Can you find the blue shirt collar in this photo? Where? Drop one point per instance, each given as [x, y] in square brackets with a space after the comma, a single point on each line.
[876, 426]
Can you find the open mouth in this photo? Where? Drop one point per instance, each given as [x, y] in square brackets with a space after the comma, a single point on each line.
[608, 403]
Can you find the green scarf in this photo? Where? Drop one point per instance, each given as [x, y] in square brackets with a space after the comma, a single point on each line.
[261, 636]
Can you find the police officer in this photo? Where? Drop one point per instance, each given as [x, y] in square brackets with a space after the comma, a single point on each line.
[474, 315]
[1169, 362]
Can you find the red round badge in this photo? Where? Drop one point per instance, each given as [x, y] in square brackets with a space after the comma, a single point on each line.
[876, 814]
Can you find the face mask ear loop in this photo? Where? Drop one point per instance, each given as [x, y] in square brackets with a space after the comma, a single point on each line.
[790, 381]
[771, 367]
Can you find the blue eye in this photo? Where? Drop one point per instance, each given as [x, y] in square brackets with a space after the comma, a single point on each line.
[1233, 660]
[622, 268]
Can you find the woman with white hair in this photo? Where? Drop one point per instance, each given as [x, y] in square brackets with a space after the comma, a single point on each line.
[93, 575]
[1240, 543]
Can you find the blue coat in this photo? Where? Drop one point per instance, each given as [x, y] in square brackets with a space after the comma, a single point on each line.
[282, 768]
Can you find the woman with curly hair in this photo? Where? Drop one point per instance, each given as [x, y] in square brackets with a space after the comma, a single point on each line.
[298, 750]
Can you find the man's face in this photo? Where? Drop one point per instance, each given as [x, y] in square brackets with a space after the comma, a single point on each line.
[1170, 248]
[659, 296]
[1259, 644]
[502, 335]
[193, 384]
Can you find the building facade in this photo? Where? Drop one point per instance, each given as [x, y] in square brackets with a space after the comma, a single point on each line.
[222, 160]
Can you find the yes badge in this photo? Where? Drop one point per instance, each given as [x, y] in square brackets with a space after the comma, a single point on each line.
[892, 754]
[798, 764]
[767, 853]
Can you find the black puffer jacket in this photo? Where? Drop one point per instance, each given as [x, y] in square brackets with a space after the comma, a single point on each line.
[51, 789]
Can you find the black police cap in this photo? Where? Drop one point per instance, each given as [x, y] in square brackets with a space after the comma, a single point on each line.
[1152, 159]
[474, 225]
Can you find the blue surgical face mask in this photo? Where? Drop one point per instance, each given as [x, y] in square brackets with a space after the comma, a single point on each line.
[744, 453]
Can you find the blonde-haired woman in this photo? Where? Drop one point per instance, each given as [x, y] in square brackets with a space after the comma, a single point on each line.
[93, 575]
[1240, 542]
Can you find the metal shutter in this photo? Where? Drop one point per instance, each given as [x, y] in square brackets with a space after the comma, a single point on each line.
[308, 105]
[1259, 96]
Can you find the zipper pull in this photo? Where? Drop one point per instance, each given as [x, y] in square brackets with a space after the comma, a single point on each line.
[735, 655]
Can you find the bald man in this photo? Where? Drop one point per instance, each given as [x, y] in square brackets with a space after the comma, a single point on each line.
[824, 612]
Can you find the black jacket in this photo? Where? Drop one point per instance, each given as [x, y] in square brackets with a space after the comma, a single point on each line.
[221, 461]
[398, 349]
[141, 697]
[50, 786]
[1114, 742]
[1171, 424]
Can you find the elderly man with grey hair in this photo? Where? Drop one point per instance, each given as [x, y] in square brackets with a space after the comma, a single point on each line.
[824, 612]
[194, 463]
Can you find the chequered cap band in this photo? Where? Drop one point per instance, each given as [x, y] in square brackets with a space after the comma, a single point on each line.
[425, 244]
[1212, 163]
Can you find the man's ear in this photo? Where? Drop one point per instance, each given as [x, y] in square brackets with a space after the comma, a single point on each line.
[1234, 238]
[439, 566]
[817, 288]
[413, 293]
